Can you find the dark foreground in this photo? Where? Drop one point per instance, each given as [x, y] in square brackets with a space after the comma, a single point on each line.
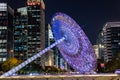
[65, 77]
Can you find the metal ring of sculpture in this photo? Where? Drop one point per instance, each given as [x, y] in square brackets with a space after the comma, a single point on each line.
[76, 49]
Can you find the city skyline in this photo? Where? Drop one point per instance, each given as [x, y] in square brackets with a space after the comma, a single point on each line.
[90, 15]
[29, 32]
[108, 41]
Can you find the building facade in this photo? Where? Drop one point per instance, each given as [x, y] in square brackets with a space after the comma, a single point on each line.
[20, 33]
[111, 33]
[96, 51]
[55, 58]
[29, 31]
[100, 44]
[6, 31]
[36, 27]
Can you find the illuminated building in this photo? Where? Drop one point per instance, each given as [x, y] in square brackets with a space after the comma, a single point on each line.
[36, 27]
[100, 44]
[6, 31]
[96, 50]
[55, 58]
[111, 31]
[20, 33]
[29, 30]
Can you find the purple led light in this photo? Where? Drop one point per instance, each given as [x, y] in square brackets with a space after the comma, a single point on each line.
[76, 48]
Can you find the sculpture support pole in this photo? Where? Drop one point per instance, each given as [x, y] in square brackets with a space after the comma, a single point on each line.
[10, 72]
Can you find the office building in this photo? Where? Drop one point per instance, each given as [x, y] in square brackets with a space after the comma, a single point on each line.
[100, 43]
[20, 33]
[111, 33]
[29, 30]
[6, 32]
[96, 51]
[55, 58]
[36, 28]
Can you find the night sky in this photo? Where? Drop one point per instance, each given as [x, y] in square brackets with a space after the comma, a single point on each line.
[91, 15]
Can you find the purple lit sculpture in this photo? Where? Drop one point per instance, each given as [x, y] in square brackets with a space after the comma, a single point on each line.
[72, 43]
[76, 48]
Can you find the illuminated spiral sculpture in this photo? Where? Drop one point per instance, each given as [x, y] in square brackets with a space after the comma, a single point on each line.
[72, 43]
[76, 48]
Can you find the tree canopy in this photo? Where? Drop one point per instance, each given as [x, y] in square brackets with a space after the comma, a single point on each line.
[10, 63]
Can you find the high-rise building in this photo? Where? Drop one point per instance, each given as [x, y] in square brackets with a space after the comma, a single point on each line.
[100, 44]
[48, 59]
[29, 32]
[36, 27]
[111, 33]
[55, 57]
[20, 33]
[96, 51]
[6, 31]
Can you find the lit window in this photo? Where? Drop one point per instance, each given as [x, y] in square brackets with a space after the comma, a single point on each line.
[0, 59]
[4, 41]
[4, 50]
[0, 50]
[119, 43]
[118, 34]
[4, 59]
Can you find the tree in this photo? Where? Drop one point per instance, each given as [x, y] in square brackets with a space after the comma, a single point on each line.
[112, 65]
[10, 63]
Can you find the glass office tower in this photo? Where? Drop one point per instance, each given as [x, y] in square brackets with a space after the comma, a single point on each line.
[36, 27]
[29, 32]
[100, 43]
[20, 33]
[6, 31]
